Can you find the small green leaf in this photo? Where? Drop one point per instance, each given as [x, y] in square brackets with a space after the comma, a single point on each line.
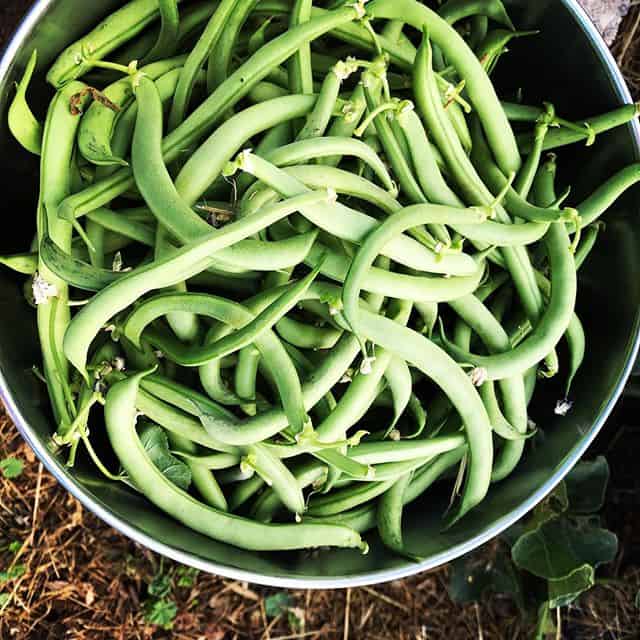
[160, 586]
[161, 612]
[4, 599]
[587, 486]
[186, 576]
[295, 617]
[473, 576]
[277, 604]
[14, 572]
[11, 467]
[15, 546]
[156, 444]
[564, 591]
[558, 548]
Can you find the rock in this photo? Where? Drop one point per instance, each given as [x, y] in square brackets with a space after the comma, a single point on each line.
[607, 15]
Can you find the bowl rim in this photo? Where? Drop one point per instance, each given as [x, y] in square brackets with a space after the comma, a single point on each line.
[26, 26]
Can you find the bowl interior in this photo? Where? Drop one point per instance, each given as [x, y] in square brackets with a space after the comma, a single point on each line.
[566, 64]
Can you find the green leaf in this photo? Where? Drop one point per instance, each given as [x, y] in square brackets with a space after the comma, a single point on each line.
[186, 576]
[160, 586]
[587, 486]
[14, 572]
[15, 546]
[156, 444]
[553, 506]
[559, 550]
[277, 604]
[4, 599]
[11, 467]
[473, 576]
[564, 591]
[161, 612]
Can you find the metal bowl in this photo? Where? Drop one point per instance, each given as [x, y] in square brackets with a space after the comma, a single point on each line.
[568, 64]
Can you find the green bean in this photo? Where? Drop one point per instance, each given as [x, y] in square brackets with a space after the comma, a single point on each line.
[604, 197]
[322, 147]
[204, 118]
[180, 266]
[120, 415]
[464, 173]
[553, 323]
[167, 42]
[99, 122]
[346, 499]
[24, 263]
[199, 303]
[24, 126]
[494, 46]
[245, 491]
[477, 83]
[389, 515]
[415, 349]
[592, 126]
[195, 61]
[214, 461]
[455, 10]
[221, 53]
[318, 120]
[52, 293]
[121, 26]
[237, 316]
[352, 225]
[347, 122]
[124, 225]
[300, 69]
[269, 503]
[258, 38]
[305, 336]
[393, 284]
[398, 377]
[364, 518]
[203, 480]
[73, 271]
[245, 378]
[429, 313]
[588, 241]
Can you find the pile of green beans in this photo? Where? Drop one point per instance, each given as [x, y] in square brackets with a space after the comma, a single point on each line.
[309, 244]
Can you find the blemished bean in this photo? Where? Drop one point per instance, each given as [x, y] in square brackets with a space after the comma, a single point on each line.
[120, 418]
[204, 118]
[118, 28]
[98, 123]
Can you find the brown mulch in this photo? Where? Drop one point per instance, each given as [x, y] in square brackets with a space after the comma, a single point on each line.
[75, 578]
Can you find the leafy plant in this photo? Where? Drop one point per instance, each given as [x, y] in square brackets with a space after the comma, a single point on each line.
[162, 612]
[186, 576]
[11, 467]
[156, 444]
[277, 604]
[548, 559]
[17, 571]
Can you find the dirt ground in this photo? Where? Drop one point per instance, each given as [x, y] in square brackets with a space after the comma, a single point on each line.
[73, 577]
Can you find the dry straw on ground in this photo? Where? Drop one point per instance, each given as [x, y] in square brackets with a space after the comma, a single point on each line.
[75, 578]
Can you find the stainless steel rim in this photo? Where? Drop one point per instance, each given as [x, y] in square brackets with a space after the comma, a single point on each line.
[54, 466]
